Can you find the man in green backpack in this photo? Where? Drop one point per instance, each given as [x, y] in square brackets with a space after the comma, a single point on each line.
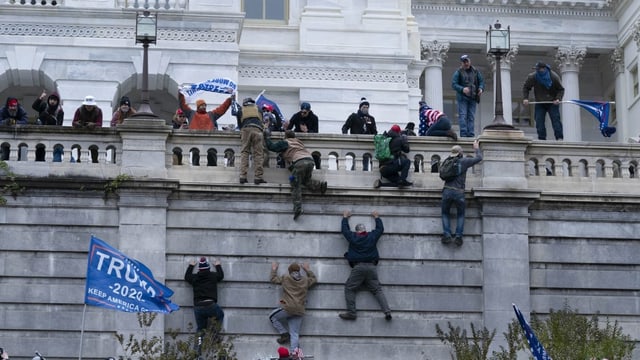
[396, 167]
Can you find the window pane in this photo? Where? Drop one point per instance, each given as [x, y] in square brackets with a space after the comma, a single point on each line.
[253, 9]
[274, 9]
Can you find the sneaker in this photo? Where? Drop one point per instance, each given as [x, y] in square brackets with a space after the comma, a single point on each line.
[458, 241]
[243, 181]
[323, 187]
[347, 316]
[259, 181]
[387, 316]
[376, 184]
[297, 214]
[446, 239]
[284, 338]
[452, 134]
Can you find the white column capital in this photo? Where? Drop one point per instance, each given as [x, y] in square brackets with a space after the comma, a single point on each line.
[636, 33]
[505, 61]
[570, 58]
[434, 52]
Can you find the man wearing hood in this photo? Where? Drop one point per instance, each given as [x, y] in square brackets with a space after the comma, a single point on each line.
[291, 309]
[548, 92]
[361, 122]
[301, 165]
[13, 113]
[396, 169]
[49, 112]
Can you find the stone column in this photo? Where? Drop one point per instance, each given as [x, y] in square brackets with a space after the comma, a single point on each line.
[505, 73]
[435, 54]
[415, 92]
[504, 199]
[144, 150]
[624, 127]
[569, 59]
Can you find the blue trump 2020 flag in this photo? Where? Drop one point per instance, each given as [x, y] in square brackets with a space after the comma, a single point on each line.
[599, 109]
[537, 350]
[114, 281]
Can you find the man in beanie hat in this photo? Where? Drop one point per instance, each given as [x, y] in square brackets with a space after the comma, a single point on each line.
[548, 92]
[434, 123]
[453, 194]
[395, 169]
[50, 111]
[301, 165]
[13, 113]
[291, 309]
[304, 120]
[124, 111]
[200, 119]
[205, 292]
[363, 258]
[361, 122]
[468, 83]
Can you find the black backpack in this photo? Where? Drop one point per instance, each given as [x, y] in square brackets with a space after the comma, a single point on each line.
[450, 168]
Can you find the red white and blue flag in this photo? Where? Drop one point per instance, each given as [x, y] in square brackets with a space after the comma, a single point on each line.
[599, 109]
[537, 350]
[117, 282]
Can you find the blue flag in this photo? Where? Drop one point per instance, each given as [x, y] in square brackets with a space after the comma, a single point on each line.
[261, 100]
[537, 350]
[117, 282]
[216, 85]
[599, 109]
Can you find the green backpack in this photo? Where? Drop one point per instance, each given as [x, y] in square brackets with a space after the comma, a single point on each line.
[382, 150]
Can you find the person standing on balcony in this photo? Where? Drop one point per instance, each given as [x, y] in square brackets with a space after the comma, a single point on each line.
[304, 120]
[468, 83]
[434, 123]
[251, 127]
[50, 111]
[361, 122]
[363, 258]
[291, 309]
[548, 92]
[396, 168]
[200, 119]
[124, 111]
[453, 194]
[179, 120]
[13, 113]
[88, 115]
[301, 165]
[205, 292]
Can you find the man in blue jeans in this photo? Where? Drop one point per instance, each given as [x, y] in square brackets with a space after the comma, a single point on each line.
[205, 292]
[468, 83]
[453, 194]
[548, 92]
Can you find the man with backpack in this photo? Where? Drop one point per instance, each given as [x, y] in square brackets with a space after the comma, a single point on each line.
[394, 165]
[453, 170]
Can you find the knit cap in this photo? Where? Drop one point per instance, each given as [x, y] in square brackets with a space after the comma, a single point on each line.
[203, 264]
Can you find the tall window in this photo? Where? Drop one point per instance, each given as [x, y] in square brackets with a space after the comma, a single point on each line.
[265, 9]
[634, 80]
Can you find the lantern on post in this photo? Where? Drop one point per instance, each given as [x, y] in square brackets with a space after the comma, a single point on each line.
[146, 33]
[498, 44]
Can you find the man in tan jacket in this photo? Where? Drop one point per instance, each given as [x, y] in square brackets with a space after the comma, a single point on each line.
[291, 309]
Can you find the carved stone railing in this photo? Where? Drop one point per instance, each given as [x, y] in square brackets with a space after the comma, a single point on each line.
[347, 160]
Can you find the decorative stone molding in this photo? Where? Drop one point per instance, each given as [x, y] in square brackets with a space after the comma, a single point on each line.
[114, 32]
[617, 60]
[518, 8]
[434, 52]
[570, 57]
[636, 32]
[326, 74]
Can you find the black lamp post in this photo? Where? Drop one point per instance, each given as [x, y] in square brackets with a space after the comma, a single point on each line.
[146, 33]
[498, 44]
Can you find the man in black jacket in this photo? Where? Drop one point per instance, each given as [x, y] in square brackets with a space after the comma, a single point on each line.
[205, 292]
[396, 169]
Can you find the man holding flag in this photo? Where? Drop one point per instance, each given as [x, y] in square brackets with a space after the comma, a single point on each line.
[201, 119]
[548, 92]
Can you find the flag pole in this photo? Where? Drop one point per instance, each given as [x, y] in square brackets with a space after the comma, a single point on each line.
[84, 310]
[564, 101]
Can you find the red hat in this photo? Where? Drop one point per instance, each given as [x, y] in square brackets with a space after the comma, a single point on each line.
[283, 351]
[12, 102]
[396, 128]
[179, 112]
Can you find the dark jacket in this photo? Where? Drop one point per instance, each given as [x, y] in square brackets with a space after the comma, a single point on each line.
[540, 92]
[398, 146]
[466, 162]
[359, 123]
[205, 283]
[362, 246]
[19, 118]
[471, 78]
[49, 115]
[311, 121]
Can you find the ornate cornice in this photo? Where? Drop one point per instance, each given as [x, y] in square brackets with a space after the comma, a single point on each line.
[434, 51]
[114, 32]
[522, 9]
[325, 74]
